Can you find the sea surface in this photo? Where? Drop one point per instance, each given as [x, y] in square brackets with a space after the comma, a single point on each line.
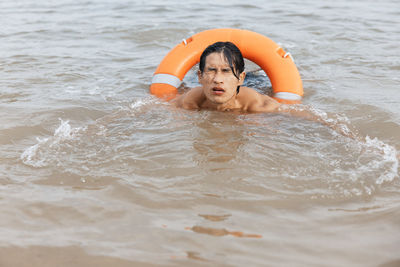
[95, 171]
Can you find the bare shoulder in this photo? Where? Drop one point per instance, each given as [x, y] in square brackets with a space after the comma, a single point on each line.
[253, 101]
[192, 99]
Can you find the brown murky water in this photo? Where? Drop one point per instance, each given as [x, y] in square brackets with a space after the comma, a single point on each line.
[96, 172]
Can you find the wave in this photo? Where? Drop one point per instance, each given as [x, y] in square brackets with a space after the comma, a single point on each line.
[352, 165]
[36, 155]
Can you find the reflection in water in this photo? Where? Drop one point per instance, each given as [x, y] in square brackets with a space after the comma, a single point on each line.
[194, 255]
[119, 159]
[221, 232]
[361, 209]
[215, 218]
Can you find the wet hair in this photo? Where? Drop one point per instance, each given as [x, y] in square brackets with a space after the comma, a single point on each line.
[231, 53]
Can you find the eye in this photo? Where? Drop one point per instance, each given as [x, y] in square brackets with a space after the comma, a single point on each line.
[226, 70]
[210, 71]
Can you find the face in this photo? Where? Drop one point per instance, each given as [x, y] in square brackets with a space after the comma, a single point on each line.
[218, 81]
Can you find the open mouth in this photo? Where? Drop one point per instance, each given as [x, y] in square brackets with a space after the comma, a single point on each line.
[218, 90]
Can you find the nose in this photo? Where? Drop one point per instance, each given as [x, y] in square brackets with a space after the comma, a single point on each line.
[218, 77]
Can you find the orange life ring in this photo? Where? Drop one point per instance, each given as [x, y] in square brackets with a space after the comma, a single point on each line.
[276, 63]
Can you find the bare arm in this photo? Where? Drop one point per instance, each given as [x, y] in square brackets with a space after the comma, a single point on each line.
[178, 101]
[189, 100]
[256, 102]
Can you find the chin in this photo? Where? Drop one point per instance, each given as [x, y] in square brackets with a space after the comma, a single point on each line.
[217, 99]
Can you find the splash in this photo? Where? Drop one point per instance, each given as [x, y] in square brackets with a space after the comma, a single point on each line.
[369, 162]
[37, 156]
[388, 160]
[138, 104]
[66, 139]
[339, 123]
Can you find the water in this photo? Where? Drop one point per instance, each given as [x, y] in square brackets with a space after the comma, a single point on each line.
[95, 171]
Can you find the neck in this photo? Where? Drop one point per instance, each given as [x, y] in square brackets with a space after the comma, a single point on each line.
[230, 105]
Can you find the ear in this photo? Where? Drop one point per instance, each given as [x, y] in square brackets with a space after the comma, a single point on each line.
[199, 76]
[241, 77]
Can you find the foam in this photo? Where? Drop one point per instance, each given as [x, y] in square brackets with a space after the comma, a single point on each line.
[142, 102]
[384, 156]
[29, 155]
[338, 123]
[44, 152]
[36, 155]
[138, 104]
[388, 157]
